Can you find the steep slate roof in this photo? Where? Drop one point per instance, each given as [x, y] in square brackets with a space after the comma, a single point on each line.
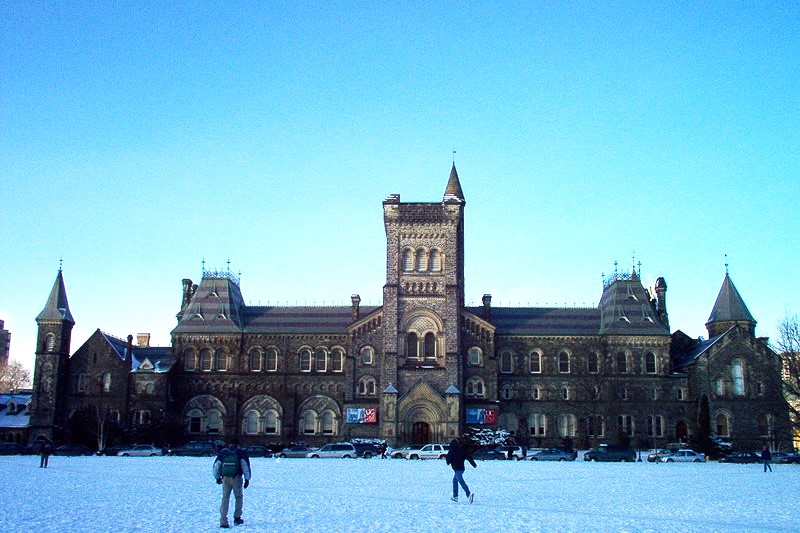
[542, 320]
[57, 306]
[20, 418]
[697, 348]
[294, 320]
[215, 307]
[627, 308]
[729, 305]
[119, 346]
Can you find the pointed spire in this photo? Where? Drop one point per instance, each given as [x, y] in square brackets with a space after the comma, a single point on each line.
[453, 189]
[57, 307]
[729, 309]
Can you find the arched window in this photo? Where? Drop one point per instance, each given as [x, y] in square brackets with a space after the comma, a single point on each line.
[329, 423]
[107, 382]
[367, 355]
[80, 385]
[506, 361]
[337, 360]
[474, 356]
[650, 363]
[435, 260]
[422, 260]
[566, 425]
[737, 373]
[563, 363]
[309, 422]
[305, 360]
[366, 386]
[206, 360]
[722, 425]
[213, 421]
[430, 346]
[592, 363]
[412, 345]
[508, 392]
[271, 423]
[49, 342]
[655, 426]
[538, 425]
[256, 358]
[595, 426]
[321, 360]
[536, 393]
[536, 363]
[474, 387]
[764, 426]
[272, 360]
[251, 422]
[221, 360]
[189, 360]
[407, 260]
[622, 363]
[194, 421]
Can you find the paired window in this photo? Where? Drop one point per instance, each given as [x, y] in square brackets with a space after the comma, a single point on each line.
[595, 426]
[566, 425]
[538, 425]
[367, 386]
[416, 348]
[475, 387]
[655, 426]
[257, 423]
[421, 260]
[312, 423]
[626, 425]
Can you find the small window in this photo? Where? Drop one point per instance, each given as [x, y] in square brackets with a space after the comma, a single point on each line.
[536, 363]
[474, 356]
[81, 383]
[592, 363]
[679, 394]
[536, 393]
[650, 363]
[563, 363]
[565, 393]
[622, 363]
[722, 423]
[367, 355]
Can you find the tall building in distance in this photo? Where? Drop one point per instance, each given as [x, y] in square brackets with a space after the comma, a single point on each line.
[5, 344]
[423, 366]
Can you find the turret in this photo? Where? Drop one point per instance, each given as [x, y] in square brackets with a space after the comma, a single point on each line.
[729, 310]
[661, 301]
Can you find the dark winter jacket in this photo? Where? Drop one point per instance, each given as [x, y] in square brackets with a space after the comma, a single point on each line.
[456, 456]
[766, 455]
[244, 463]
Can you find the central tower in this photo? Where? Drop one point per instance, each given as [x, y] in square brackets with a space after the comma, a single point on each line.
[422, 304]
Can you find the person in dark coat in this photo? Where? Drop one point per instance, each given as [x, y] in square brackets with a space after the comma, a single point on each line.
[456, 456]
[44, 454]
[766, 457]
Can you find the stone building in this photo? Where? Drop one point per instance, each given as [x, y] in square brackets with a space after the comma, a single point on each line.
[422, 366]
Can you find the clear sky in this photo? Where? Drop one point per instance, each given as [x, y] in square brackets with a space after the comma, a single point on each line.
[138, 139]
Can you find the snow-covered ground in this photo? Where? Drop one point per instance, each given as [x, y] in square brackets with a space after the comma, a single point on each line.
[127, 494]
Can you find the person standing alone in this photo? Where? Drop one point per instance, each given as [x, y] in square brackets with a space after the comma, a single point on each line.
[232, 471]
[456, 456]
[766, 457]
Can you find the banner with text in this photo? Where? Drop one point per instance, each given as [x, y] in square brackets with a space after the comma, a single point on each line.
[359, 415]
[481, 416]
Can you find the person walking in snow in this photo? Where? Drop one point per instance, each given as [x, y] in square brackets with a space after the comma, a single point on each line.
[455, 457]
[766, 457]
[232, 471]
[44, 454]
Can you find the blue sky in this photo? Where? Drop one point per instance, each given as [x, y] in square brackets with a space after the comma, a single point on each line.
[139, 139]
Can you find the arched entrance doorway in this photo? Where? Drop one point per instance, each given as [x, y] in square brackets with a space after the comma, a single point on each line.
[420, 433]
[682, 432]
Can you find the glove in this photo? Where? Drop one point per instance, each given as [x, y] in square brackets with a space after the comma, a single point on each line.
[219, 481]
[246, 483]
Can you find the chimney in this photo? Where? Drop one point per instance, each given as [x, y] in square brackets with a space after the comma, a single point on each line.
[487, 306]
[187, 293]
[661, 300]
[143, 340]
[356, 299]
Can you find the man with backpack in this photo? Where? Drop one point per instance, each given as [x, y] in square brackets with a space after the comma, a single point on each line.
[232, 471]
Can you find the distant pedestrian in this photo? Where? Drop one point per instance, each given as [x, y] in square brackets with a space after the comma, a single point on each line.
[44, 454]
[232, 471]
[456, 456]
[766, 457]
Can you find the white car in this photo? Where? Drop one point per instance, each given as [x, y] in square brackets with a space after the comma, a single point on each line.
[141, 450]
[429, 451]
[516, 452]
[683, 456]
[342, 450]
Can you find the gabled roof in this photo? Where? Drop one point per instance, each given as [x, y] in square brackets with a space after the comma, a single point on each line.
[453, 189]
[57, 306]
[120, 346]
[730, 306]
[154, 359]
[696, 348]
[21, 416]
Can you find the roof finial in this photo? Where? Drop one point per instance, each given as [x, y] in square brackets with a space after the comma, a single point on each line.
[229, 265]
[60, 263]
[726, 264]
[454, 157]
[204, 265]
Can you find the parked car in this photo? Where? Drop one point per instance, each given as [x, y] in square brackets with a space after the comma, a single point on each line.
[429, 451]
[72, 450]
[258, 451]
[405, 451]
[741, 458]
[683, 456]
[609, 452]
[553, 454]
[489, 454]
[111, 450]
[658, 454]
[341, 450]
[294, 451]
[367, 449]
[516, 452]
[140, 450]
[783, 458]
[12, 448]
[194, 448]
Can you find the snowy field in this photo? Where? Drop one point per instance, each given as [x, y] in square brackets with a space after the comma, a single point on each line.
[178, 494]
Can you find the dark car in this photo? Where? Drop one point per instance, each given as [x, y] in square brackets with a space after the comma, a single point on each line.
[12, 448]
[783, 458]
[489, 454]
[194, 448]
[369, 449]
[610, 453]
[109, 450]
[72, 450]
[258, 451]
[742, 458]
[294, 451]
[554, 454]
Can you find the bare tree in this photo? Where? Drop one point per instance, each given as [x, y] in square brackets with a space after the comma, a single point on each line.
[14, 376]
[788, 347]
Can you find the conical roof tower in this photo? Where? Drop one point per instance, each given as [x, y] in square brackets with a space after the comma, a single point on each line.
[729, 310]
